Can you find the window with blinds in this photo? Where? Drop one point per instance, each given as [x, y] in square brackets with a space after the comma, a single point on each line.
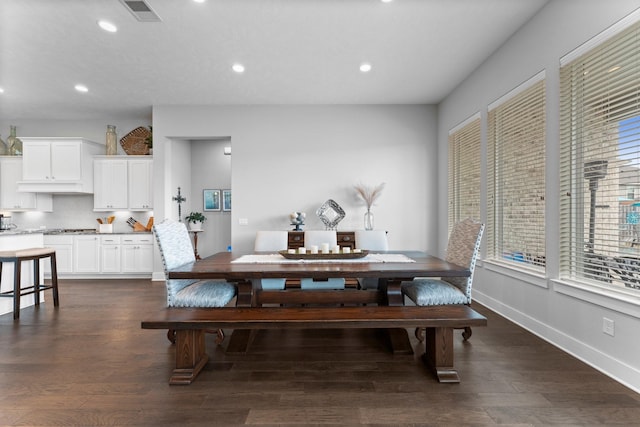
[464, 171]
[516, 176]
[600, 160]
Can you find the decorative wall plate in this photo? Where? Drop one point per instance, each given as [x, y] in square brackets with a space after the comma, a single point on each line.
[331, 214]
[133, 143]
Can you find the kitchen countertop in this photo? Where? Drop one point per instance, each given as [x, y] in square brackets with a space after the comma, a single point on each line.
[61, 231]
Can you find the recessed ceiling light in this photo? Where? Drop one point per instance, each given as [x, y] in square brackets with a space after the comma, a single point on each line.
[238, 68]
[199, 1]
[365, 67]
[107, 26]
[386, 1]
[81, 88]
[1, 90]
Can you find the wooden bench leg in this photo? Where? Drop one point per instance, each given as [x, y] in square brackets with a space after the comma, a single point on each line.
[191, 356]
[439, 354]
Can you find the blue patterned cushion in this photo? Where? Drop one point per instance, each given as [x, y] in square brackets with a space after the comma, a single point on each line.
[433, 292]
[462, 250]
[175, 244]
[207, 293]
[176, 250]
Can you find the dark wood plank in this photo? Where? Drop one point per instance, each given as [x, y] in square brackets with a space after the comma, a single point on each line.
[219, 266]
[89, 363]
[190, 324]
[314, 317]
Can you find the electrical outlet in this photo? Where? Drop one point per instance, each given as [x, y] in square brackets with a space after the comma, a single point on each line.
[608, 326]
[243, 221]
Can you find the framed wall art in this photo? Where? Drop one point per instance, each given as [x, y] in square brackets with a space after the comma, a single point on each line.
[226, 200]
[211, 200]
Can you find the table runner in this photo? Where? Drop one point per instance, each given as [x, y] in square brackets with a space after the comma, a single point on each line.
[279, 259]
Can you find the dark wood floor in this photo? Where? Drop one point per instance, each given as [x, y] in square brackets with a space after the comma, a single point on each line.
[90, 364]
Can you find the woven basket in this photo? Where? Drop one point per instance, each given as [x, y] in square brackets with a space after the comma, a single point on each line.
[134, 143]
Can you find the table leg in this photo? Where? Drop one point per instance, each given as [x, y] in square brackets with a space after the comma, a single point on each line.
[191, 356]
[398, 337]
[240, 339]
[439, 354]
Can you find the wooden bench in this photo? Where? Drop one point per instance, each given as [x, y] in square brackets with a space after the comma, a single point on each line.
[190, 325]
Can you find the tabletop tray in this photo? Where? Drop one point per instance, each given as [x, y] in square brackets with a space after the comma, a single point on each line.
[350, 255]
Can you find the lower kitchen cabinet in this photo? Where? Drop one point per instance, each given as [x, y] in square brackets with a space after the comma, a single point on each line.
[110, 254]
[86, 254]
[64, 253]
[137, 253]
[102, 255]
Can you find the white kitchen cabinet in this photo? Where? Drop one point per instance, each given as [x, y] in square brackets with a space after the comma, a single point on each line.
[64, 253]
[86, 253]
[123, 183]
[110, 254]
[13, 200]
[62, 165]
[141, 184]
[110, 178]
[137, 253]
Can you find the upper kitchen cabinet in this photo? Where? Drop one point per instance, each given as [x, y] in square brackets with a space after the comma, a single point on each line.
[123, 182]
[110, 184]
[141, 184]
[13, 200]
[58, 165]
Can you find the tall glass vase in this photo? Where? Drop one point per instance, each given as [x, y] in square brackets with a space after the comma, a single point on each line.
[14, 143]
[3, 147]
[368, 220]
[111, 141]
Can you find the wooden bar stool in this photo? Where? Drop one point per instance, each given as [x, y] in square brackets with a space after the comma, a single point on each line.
[35, 255]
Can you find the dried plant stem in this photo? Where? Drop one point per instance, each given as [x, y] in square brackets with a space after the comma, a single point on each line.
[369, 194]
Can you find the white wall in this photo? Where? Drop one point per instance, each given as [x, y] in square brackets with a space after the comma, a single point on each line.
[294, 158]
[565, 315]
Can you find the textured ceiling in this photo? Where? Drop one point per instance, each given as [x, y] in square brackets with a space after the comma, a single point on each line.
[294, 51]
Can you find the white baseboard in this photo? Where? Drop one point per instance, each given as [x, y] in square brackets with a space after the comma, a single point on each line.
[616, 369]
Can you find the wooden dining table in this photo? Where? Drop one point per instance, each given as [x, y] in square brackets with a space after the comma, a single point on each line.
[225, 266]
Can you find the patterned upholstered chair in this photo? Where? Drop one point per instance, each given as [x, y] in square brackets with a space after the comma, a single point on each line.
[271, 241]
[463, 248]
[317, 238]
[371, 240]
[176, 250]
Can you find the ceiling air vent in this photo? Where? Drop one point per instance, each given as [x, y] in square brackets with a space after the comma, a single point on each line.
[141, 10]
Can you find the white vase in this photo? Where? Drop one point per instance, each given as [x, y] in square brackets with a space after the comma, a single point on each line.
[195, 226]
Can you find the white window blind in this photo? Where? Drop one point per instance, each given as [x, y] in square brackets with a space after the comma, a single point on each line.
[516, 176]
[464, 171]
[600, 162]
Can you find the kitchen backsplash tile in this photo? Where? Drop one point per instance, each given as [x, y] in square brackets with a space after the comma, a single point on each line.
[76, 211]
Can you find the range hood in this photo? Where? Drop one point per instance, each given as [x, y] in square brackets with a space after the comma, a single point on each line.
[55, 187]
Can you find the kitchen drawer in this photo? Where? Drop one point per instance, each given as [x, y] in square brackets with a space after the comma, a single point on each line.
[58, 239]
[137, 239]
[110, 240]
